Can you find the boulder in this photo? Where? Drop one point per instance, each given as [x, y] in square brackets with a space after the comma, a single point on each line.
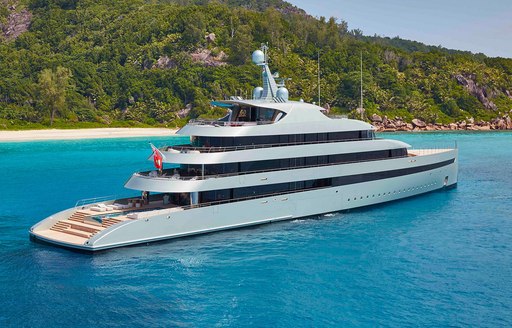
[376, 118]
[409, 126]
[501, 125]
[164, 62]
[508, 122]
[452, 126]
[391, 125]
[399, 123]
[210, 38]
[418, 123]
[205, 57]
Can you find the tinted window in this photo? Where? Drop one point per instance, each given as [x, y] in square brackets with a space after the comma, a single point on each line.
[310, 137]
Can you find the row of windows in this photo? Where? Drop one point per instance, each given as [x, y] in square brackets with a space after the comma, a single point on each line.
[268, 165]
[261, 191]
[252, 114]
[236, 193]
[281, 139]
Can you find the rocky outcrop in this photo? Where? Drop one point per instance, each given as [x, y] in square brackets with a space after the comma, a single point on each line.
[376, 118]
[417, 125]
[17, 23]
[481, 93]
[164, 62]
[206, 57]
[182, 113]
[210, 38]
[508, 94]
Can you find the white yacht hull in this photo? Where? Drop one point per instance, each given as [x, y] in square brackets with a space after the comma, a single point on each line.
[170, 223]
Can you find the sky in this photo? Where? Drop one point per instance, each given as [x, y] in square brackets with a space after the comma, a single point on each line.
[474, 25]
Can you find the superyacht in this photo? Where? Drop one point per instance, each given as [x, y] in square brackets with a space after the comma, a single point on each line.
[269, 159]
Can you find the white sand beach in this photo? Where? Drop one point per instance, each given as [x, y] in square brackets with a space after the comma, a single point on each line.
[100, 133]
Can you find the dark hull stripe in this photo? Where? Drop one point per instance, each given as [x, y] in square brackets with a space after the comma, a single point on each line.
[365, 177]
[245, 193]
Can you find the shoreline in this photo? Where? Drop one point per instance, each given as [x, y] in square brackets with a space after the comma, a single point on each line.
[75, 134]
[398, 124]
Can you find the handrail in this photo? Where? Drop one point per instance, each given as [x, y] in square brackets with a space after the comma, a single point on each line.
[216, 202]
[87, 201]
[227, 123]
[233, 200]
[183, 148]
[223, 175]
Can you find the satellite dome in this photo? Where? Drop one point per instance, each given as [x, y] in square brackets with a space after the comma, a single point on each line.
[282, 93]
[258, 57]
[257, 93]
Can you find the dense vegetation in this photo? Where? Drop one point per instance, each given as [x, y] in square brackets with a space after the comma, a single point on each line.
[126, 62]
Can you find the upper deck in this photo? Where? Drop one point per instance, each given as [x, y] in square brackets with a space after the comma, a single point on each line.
[259, 118]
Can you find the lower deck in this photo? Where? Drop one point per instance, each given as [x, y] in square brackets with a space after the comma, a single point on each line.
[83, 223]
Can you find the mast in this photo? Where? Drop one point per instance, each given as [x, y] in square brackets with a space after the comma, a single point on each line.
[361, 105]
[318, 71]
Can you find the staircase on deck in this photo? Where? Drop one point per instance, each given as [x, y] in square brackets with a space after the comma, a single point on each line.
[76, 225]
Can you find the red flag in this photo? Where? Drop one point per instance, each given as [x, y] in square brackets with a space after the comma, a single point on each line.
[157, 159]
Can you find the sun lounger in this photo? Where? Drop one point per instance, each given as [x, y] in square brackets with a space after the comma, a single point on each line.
[98, 209]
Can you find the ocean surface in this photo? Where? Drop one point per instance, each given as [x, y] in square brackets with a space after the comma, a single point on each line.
[437, 260]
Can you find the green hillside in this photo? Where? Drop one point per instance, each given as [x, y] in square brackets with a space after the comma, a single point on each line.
[132, 62]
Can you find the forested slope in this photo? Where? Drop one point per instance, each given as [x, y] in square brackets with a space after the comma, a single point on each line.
[127, 62]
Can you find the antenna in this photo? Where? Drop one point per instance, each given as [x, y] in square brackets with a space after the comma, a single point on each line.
[264, 47]
[319, 103]
[361, 105]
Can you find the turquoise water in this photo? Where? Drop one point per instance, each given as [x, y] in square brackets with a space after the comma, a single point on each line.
[442, 259]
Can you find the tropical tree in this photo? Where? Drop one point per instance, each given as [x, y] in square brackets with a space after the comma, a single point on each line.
[53, 86]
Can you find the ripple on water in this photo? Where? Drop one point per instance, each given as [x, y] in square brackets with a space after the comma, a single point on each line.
[442, 259]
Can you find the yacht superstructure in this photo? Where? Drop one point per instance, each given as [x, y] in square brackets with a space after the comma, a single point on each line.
[268, 159]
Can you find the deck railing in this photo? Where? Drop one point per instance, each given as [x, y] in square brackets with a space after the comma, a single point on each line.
[187, 148]
[234, 200]
[223, 175]
[227, 123]
[88, 201]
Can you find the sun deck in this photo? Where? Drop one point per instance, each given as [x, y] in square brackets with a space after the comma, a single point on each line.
[84, 223]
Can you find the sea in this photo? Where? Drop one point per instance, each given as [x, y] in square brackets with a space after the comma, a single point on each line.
[443, 259]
